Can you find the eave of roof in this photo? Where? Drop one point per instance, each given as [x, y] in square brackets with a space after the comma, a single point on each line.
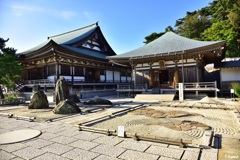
[228, 64]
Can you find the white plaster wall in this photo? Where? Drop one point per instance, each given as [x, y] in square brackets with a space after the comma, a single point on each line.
[123, 78]
[102, 78]
[232, 74]
[116, 76]
[109, 75]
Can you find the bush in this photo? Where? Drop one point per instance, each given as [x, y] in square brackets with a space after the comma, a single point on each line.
[11, 96]
[236, 87]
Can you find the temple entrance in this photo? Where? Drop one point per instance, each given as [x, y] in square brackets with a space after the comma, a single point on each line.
[92, 75]
[163, 78]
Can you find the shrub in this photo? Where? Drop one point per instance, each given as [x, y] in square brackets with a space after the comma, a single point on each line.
[236, 87]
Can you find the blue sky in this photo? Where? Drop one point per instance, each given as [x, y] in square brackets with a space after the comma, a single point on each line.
[124, 23]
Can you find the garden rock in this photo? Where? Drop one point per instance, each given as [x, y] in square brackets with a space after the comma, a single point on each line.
[98, 101]
[38, 101]
[74, 98]
[61, 90]
[66, 107]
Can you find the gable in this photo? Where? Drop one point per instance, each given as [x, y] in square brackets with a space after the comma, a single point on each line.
[93, 43]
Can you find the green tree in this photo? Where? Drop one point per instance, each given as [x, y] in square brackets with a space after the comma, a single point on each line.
[10, 67]
[223, 30]
[155, 35]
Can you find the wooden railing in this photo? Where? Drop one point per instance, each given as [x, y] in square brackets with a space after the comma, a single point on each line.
[200, 85]
[131, 86]
[39, 81]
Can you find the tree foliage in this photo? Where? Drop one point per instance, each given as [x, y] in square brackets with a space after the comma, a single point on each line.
[155, 35]
[10, 67]
[220, 20]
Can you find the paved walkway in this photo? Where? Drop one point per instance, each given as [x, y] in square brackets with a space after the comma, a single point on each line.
[61, 141]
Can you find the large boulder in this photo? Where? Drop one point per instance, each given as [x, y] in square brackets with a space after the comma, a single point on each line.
[66, 107]
[74, 98]
[38, 101]
[61, 90]
[98, 101]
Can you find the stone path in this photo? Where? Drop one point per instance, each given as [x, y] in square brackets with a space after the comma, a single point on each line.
[61, 141]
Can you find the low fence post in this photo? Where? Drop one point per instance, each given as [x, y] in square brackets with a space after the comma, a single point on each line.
[215, 87]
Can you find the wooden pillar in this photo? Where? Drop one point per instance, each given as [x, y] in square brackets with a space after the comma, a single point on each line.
[57, 70]
[151, 76]
[176, 75]
[199, 65]
[72, 73]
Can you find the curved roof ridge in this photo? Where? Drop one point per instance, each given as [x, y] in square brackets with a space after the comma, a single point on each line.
[96, 24]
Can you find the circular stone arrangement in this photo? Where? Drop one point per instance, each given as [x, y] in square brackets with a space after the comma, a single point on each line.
[18, 136]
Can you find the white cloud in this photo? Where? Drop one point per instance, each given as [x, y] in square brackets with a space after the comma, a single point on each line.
[65, 14]
[21, 9]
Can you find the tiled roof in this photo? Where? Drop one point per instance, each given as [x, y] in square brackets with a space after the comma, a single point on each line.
[168, 43]
[67, 38]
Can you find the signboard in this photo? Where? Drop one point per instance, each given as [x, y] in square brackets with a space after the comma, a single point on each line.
[121, 131]
[162, 65]
[180, 90]
[232, 90]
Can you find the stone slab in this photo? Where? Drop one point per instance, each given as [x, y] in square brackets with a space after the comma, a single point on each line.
[133, 145]
[57, 148]
[50, 156]
[103, 157]
[38, 143]
[5, 155]
[129, 155]
[13, 147]
[80, 154]
[108, 150]
[18, 136]
[190, 155]
[209, 154]
[28, 153]
[63, 140]
[109, 140]
[86, 145]
[166, 152]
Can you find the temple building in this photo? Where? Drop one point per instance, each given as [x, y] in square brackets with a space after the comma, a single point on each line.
[171, 59]
[79, 56]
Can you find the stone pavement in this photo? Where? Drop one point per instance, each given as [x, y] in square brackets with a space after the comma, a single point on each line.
[60, 141]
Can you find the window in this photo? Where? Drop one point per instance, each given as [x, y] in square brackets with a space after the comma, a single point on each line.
[51, 70]
[65, 70]
[79, 71]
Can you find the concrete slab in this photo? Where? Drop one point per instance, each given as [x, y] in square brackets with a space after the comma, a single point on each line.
[18, 136]
[103, 157]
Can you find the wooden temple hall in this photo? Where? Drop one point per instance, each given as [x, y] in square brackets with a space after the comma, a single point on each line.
[80, 57]
[173, 59]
